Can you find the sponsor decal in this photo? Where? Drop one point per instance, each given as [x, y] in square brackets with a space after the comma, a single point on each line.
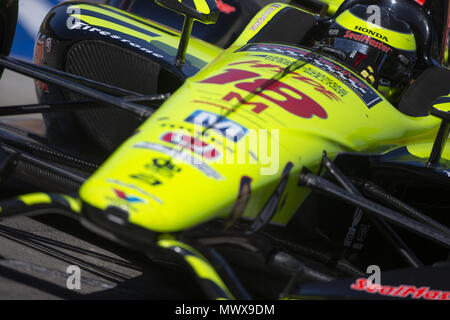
[48, 45]
[146, 178]
[325, 80]
[367, 40]
[280, 60]
[264, 16]
[364, 91]
[183, 157]
[39, 60]
[228, 128]
[164, 167]
[134, 187]
[224, 7]
[401, 291]
[372, 33]
[318, 75]
[195, 145]
[86, 27]
[42, 86]
[129, 198]
[317, 86]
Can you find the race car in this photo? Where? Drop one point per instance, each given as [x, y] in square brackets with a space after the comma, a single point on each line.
[309, 153]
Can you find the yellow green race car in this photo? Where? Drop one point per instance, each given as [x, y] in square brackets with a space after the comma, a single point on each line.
[296, 155]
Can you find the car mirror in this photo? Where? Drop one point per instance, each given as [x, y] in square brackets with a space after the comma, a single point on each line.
[441, 108]
[205, 11]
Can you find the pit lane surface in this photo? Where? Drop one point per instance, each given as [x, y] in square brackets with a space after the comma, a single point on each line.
[35, 255]
[36, 252]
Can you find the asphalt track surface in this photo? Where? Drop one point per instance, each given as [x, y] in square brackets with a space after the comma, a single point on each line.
[36, 252]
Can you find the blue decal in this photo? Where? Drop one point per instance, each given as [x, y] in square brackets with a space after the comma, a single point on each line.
[122, 195]
[226, 127]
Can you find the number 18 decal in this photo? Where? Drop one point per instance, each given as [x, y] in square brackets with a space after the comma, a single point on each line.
[279, 93]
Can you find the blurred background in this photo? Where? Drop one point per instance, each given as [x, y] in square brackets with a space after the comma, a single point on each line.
[15, 88]
[31, 14]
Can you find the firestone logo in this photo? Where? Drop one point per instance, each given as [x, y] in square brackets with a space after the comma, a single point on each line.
[401, 291]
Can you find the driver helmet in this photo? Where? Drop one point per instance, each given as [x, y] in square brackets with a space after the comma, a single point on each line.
[377, 45]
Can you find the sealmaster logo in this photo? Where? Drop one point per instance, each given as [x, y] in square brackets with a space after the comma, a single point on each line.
[367, 40]
[401, 291]
[129, 198]
[371, 32]
[230, 129]
[197, 146]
